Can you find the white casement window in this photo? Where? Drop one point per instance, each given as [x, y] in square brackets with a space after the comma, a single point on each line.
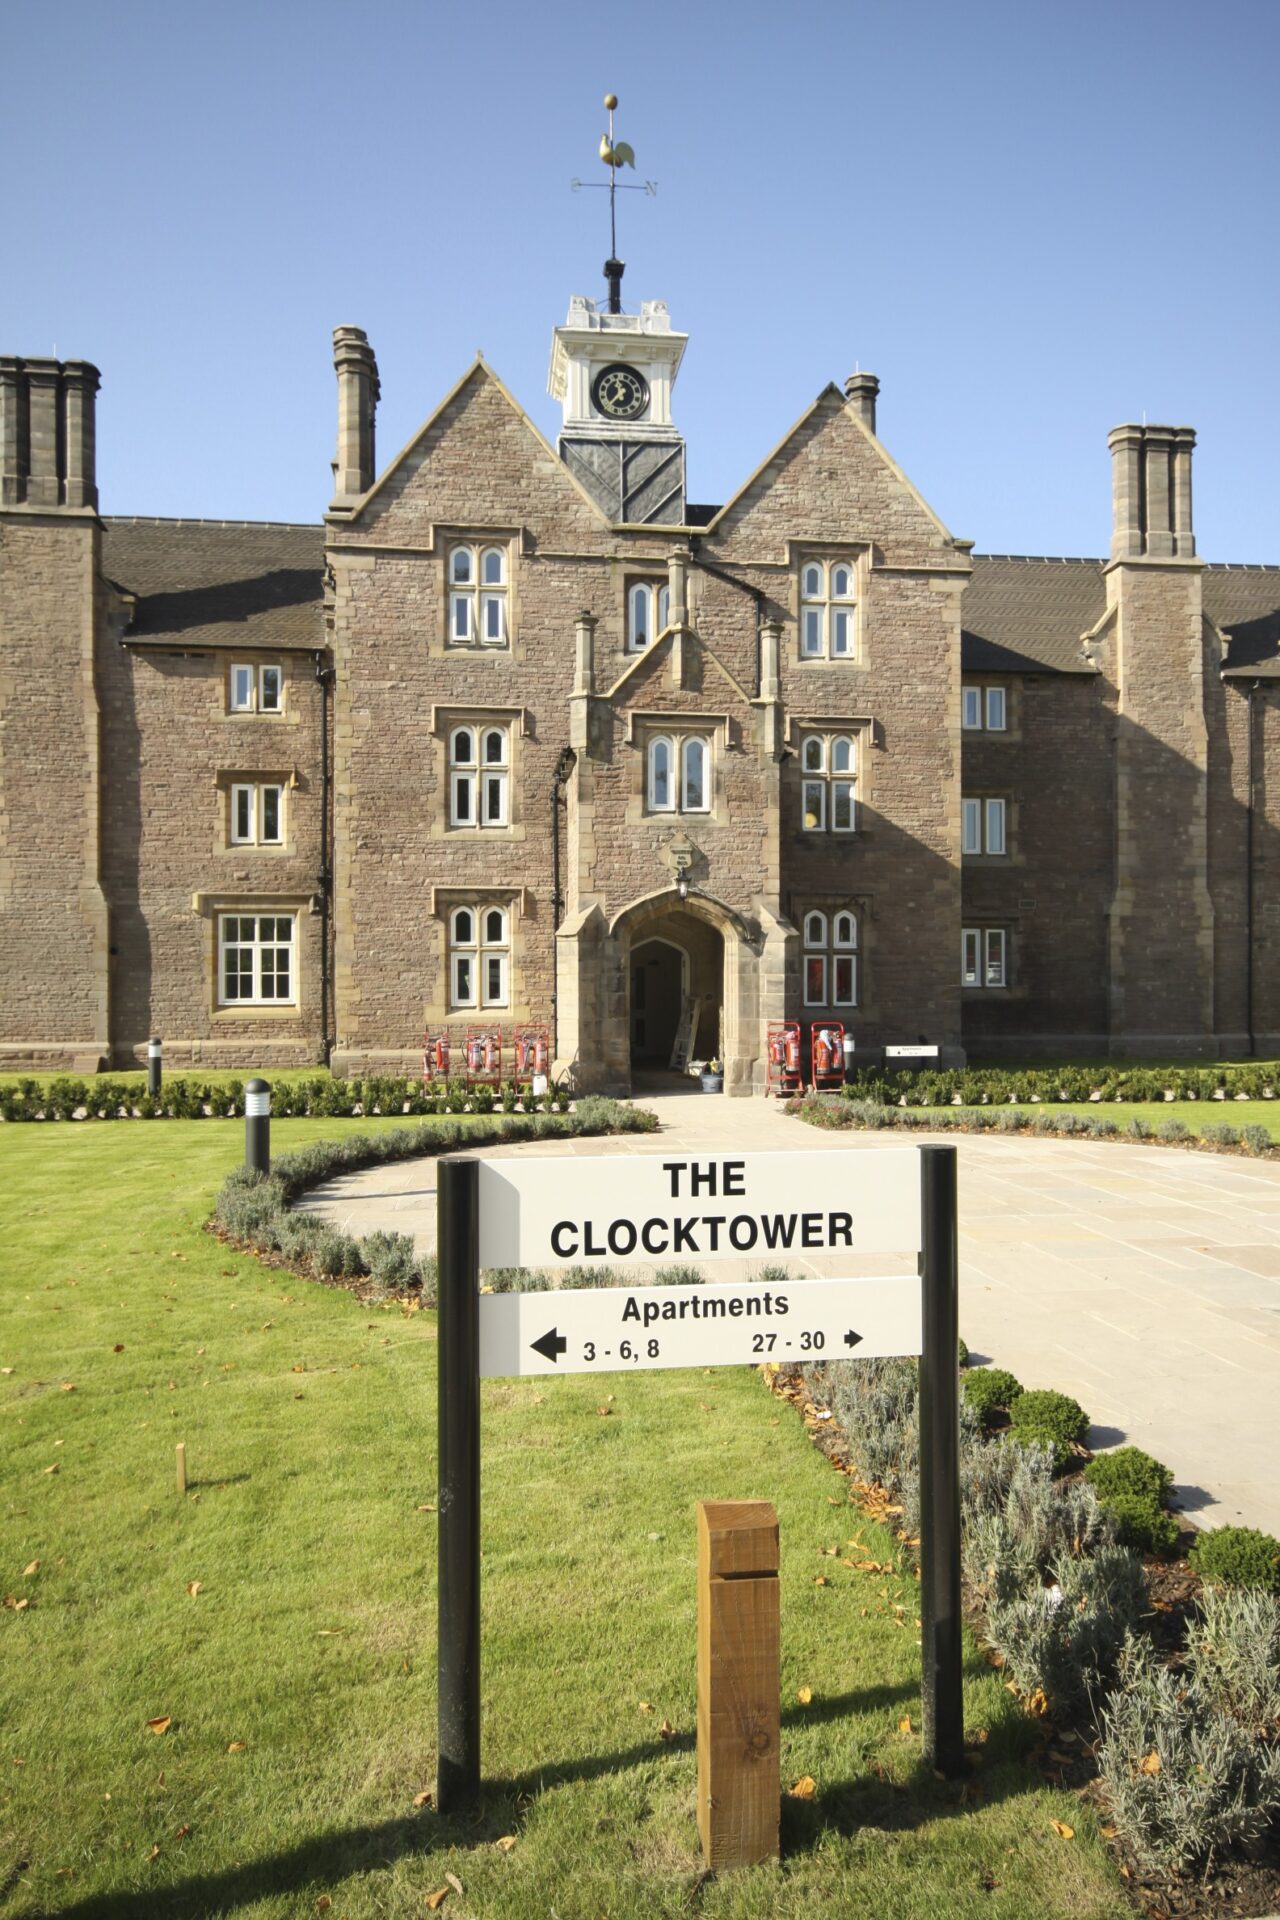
[479, 957]
[828, 610]
[983, 709]
[983, 825]
[255, 960]
[257, 814]
[830, 958]
[678, 774]
[983, 957]
[255, 689]
[478, 612]
[648, 602]
[479, 772]
[828, 770]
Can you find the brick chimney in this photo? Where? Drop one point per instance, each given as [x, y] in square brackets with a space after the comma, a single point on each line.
[860, 391]
[1151, 493]
[47, 433]
[358, 391]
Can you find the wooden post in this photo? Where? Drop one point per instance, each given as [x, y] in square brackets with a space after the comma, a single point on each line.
[181, 1451]
[739, 1703]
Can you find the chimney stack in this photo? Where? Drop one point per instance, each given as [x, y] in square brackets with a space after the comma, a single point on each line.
[860, 391]
[1151, 492]
[47, 433]
[358, 392]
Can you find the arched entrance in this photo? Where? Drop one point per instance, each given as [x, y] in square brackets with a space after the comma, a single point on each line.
[675, 960]
[659, 982]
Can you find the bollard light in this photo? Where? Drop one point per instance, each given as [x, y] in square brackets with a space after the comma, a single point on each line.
[154, 1049]
[257, 1126]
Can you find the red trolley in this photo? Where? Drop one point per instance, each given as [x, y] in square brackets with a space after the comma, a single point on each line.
[783, 1059]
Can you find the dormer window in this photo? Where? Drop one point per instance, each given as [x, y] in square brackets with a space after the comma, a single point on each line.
[478, 615]
[648, 602]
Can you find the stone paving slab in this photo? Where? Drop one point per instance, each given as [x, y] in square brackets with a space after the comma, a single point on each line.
[1143, 1280]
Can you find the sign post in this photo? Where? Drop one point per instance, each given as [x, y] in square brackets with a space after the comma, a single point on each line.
[942, 1708]
[739, 1697]
[458, 1563]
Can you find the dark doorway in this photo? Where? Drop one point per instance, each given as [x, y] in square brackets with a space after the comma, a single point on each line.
[658, 972]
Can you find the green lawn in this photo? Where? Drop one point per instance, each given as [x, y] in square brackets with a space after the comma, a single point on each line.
[1195, 1114]
[309, 1647]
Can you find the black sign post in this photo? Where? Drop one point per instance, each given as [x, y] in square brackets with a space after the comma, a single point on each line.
[458, 1570]
[942, 1705]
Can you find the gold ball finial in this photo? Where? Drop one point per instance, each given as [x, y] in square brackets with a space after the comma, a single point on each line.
[611, 101]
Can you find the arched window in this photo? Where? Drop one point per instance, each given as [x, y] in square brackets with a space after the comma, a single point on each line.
[647, 612]
[828, 610]
[678, 774]
[815, 929]
[693, 776]
[828, 783]
[478, 597]
[662, 797]
[831, 965]
[478, 785]
[479, 957]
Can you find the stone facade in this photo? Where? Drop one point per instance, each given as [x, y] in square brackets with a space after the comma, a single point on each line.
[285, 794]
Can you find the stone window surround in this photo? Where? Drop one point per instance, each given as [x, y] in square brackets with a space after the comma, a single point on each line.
[481, 949]
[644, 726]
[480, 775]
[984, 858]
[857, 553]
[829, 949]
[211, 907]
[658, 588]
[257, 666]
[517, 903]
[226, 780]
[513, 542]
[445, 720]
[983, 687]
[982, 935]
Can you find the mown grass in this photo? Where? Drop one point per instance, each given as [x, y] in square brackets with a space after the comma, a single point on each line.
[1194, 1114]
[309, 1648]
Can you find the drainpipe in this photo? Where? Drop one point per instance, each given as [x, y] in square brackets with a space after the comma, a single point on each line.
[324, 677]
[1248, 873]
[559, 780]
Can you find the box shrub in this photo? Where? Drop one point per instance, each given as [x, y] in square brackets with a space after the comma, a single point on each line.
[1129, 1471]
[986, 1388]
[1053, 1419]
[1141, 1523]
[1237, 1557]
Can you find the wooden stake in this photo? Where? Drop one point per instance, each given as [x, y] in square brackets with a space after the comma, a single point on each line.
[739, 1788]
[182, 1466]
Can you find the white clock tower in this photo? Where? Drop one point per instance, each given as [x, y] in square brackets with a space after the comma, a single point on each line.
[612, 373]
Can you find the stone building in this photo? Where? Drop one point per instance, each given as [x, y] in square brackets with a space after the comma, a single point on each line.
[520, 734]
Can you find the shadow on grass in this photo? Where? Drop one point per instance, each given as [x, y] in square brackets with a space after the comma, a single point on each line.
[317, 1865]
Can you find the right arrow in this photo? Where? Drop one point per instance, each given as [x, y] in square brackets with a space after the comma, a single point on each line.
[551, 1345]
[853, 1339]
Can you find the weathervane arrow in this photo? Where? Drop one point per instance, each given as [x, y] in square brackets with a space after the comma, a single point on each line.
[615, 154]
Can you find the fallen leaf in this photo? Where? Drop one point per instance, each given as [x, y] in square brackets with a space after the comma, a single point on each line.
[1151, 1764]
[803, 1789]
[428, 1506]
[329, 1633]
[436, 1900]
[32, 1566]
[505, 1844]
[645, 1707]
[6, 1369]
[454, 1882]
[904, 1725]
[1038, 1702]
[804, 1695]
[422, 1799]
[324, 1903]
[118, 1347]
[53, 1468]
[604, 1410]
[820, 1580]
[68, 1386]
[193, 1587]
[161, 1724]
[666, 1731]
[1061, 1828]
[237, 1746]
[182, 1832]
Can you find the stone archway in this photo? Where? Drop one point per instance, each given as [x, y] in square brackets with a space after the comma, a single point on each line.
[723, 963]
[659, 978]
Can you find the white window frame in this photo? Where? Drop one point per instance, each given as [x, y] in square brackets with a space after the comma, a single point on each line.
[478, 600]
[479, 784]
[258, 950]
[247, 687]
[984, 825]
[822, 782]
[829, 609]
[486, 948]
[997, 699]
[648, 602]
[984, 957]
[678, 748]
[255, 805]
[830, 940]
[980, 703]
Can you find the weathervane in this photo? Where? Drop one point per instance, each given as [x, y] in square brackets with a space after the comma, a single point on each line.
[615, 154]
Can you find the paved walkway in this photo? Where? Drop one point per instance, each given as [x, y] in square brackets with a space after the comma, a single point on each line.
[1143, 1280]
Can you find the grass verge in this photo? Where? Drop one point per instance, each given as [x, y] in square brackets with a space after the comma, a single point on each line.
[298, 1681]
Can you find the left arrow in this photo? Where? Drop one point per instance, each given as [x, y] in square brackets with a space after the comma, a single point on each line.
[551, 1345]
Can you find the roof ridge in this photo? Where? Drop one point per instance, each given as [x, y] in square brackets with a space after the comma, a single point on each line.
[1046, 559]
[240, 526]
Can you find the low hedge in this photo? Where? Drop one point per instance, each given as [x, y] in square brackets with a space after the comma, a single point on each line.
[184, 1098]
[256, 1210]
[996, 1086]
[843, 1110]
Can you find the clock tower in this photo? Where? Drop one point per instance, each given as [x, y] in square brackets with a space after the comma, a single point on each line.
[612, 373]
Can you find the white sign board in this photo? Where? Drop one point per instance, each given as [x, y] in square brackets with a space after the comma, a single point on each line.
[911, 1053]
[621, 1329]
[661, 1208]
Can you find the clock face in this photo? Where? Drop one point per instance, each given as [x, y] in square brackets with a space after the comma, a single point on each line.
[620, 393]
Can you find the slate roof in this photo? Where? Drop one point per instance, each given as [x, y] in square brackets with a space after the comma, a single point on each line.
[213, 583]
[1027, 615]
[1245, 603]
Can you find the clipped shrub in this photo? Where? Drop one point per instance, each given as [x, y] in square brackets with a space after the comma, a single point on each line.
[1219, 1134]
[1052, 1419]
[1138, 1129]
[1257, 1139]
[1234, 1648]
[1184, 1778]
[391, 1261]
[1141, 1523]
[987, 1388]
[1237, 1557]
[1129, 1471]
[1066, 1639]
[1172, 1130]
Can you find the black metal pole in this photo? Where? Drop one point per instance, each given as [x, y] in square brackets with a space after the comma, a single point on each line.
[941, 1690]
[458, 1527]
[257, 1126]
[154, 1051]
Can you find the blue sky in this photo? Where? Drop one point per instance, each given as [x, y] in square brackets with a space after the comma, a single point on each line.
[1032, 221]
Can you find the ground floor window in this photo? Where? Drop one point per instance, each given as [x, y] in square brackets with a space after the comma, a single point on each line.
[984, 957]
[479, 957]
[830, 958]
[255, 959]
